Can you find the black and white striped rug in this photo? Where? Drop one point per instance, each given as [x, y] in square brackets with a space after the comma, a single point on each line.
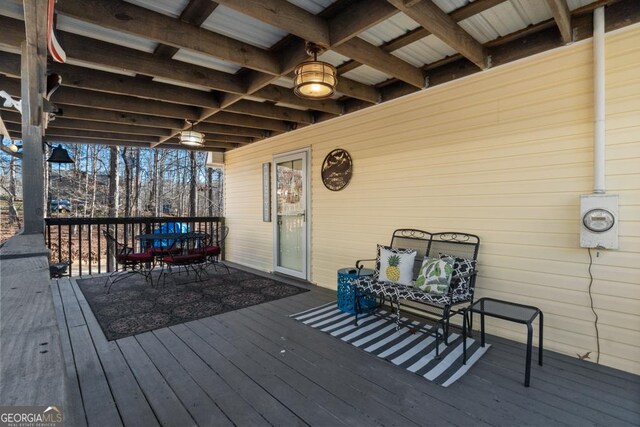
[411, 347]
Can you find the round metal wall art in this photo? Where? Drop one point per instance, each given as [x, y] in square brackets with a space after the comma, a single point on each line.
[337, 169]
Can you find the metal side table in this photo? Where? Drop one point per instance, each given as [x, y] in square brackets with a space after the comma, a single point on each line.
[512, 312]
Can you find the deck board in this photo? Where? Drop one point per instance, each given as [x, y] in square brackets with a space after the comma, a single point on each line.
[130, 401]
[233, 405]
[258, 367]
[330, 350]
[195, 400]
[76, 414]
[96, 395]
[261, 368]
[166, 405]
[260, 399]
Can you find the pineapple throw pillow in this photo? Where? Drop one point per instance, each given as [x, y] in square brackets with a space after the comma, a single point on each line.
[435, 276]
[395, 265]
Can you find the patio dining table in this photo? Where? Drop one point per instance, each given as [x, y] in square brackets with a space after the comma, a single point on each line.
[184, 241]
[174, 244]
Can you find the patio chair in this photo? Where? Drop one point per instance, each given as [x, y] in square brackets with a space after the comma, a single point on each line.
[213, 249]
[193, 260]
[136, 262]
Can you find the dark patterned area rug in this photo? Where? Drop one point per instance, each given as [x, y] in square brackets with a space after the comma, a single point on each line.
[134, 306]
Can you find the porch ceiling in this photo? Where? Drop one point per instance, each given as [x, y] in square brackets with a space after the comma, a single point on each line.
[137, 69]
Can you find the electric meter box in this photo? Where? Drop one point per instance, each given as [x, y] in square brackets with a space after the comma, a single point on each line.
[599, 221]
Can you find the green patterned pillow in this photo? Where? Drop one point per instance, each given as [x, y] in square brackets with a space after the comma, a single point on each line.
[435, 276]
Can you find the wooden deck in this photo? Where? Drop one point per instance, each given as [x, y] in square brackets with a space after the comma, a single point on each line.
[256, 366]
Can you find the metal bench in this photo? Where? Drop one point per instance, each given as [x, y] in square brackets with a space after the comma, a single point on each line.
[436, 307]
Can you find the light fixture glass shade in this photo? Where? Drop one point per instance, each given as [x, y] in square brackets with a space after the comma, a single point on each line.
[192, 138]
[315, 80]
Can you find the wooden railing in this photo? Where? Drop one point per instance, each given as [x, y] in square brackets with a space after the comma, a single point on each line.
[81, 241]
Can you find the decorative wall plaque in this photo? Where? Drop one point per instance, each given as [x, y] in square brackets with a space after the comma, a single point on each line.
[337, 169]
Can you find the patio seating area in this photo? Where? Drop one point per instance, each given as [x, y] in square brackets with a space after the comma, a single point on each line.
[192, 193]
[257, 366]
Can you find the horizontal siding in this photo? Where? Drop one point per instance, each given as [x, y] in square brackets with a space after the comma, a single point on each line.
[504, 154]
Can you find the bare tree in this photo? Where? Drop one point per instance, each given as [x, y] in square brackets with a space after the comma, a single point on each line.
[114, 192]
[193, 185]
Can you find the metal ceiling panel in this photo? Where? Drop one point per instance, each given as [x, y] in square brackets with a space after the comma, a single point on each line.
[171, 8]
[505, 18]
[12, 9]
[284, 82]
[333, 58]
[449, 6]
[367, 75]
[313, 6]
[390, 29]
[424, 51]
[575, 4]
[201, 59]
[76, 26]
[234, 24]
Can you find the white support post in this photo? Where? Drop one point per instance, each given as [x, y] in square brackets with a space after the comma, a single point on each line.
[598, 102]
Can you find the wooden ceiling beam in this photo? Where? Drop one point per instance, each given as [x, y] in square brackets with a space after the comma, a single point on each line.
[285, 95]
[434, 19]
[197, 11]
[69, 123]
[98, 52]
[269, 111]
[102, 81]
[109, 116]
[106, 101]
[233, 130]
[85, 133]
[55, 139]
[225, 118]
[357, 17]
[562, 16]
[234, 139]
[215, 146]
[122, 16]
[419, 33]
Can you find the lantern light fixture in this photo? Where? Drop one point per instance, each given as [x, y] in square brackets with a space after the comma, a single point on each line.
[315, 79]
[191, 137]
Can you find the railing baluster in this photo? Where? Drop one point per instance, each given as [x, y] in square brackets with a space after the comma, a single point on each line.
[80, 249]
[90, 247]
[69, 242]
[99, 251]
[60, 244]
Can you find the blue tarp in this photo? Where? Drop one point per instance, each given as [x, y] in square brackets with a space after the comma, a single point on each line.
[169, 227]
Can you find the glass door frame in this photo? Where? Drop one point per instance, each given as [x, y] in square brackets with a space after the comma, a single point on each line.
[305, 155]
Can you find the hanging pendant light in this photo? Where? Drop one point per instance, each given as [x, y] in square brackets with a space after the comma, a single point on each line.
[191, 137]
[315, 79]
